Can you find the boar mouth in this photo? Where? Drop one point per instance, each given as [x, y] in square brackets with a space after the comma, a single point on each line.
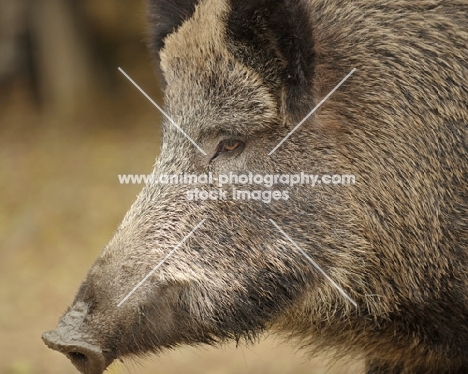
[87, 358]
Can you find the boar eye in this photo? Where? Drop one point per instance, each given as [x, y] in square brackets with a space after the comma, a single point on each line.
[229, 146]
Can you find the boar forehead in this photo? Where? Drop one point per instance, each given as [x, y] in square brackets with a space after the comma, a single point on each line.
[207, 87]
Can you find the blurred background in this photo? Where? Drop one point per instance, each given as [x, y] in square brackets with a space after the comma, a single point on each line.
[69, 124]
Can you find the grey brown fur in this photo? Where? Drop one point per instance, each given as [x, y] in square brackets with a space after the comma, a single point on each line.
[396, 242]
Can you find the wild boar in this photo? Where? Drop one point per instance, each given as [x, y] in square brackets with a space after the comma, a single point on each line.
[378, 269]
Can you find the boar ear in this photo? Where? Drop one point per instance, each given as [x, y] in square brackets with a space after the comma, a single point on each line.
[166, 16]
[275, 39]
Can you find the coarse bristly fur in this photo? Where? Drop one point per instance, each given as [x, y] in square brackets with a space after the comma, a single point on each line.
[396, 242]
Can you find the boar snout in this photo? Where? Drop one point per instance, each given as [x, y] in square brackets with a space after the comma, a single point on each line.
[87, 358]
[71, 339]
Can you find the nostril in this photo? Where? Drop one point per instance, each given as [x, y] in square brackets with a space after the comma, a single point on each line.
[77, 357]
[87, 358]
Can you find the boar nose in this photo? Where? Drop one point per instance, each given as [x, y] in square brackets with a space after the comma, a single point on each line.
[87, 358]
